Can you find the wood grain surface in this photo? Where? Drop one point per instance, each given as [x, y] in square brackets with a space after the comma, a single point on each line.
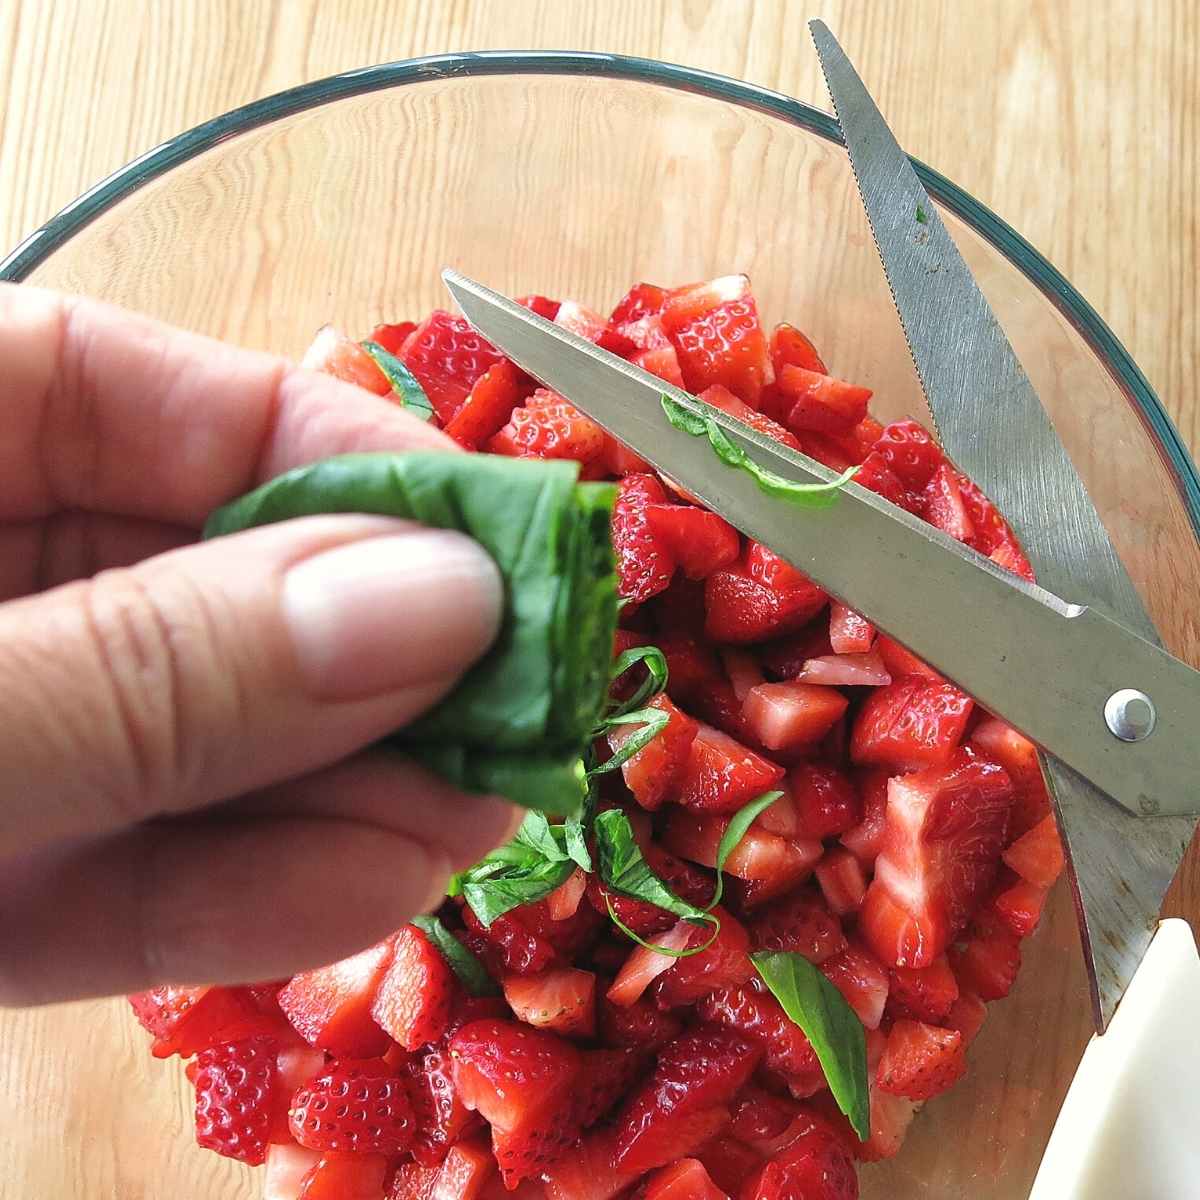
[1075, 120]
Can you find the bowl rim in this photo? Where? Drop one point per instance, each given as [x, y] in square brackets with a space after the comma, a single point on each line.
[122, 183]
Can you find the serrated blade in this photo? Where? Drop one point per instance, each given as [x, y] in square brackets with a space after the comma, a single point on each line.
[988, 418]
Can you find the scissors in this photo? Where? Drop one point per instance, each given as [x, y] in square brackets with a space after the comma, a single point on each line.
[1115, 716]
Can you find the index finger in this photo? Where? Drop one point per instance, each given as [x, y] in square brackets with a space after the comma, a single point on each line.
[103, 410]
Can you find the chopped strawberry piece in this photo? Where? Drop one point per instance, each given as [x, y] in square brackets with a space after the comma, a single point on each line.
[520, 947]
[999, 741]
[1011, 557]
[716, 333]
[849, 633]
[1020, 906]
[834, 454]
[942, 841]
[236, 1087]
[549, 427]
[910, 452]
[842, 882]
[645, 964]
[345, 1177]
[820, 403]
[799, 924]
[742, 609]
[725, 963]
[827, 803]
[987, 962]
[488, 406]
[865, 839]
[562, 999]
[294, 1066]
[645, 564]
[654, 773]
[760, 1018]
[379, 1121]
[392, 337]
[545, 308]
[944, 507]
[814, 1167]
[412, 1002]
[784, 658]
[791, 348]
[742, 670]
[563, 902]
[413, 1181]
[700, 541]
[991, 531]
[921, 1061]
[335, 354]
[661, 361]
[890, 1119]
[698, 1072]
[330, 1007]
[923, 993]
[901, 662]
[642, 300]
[727, 402]
[447, 356]
[862, 979]
[721, 775]
[605, 1078]
[874, 474]
[685, 1179]
[592, 326]
[521, 1080]
[589, 1170]
[640, 1025]
[966, 1015]
[441, 1116]
[910, 723]
[466, 1170]
[784, 716]
[287, 1166]
[1037, 856]
[186, 1019]
[643, 918]
[845, 670]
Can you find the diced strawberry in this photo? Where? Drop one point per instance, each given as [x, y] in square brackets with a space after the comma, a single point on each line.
[820, 403]
[742, 609]
[715, 329]
[644, 562]
[1012, 558]
[1037, 856]
[923, 993]
[865, 839]
[645, 964]
[521, 1080]
[413, 1181]
[742, 671]
[999, 741]
[392, 337]
[563, 902]
[784, 716]
[725, 963]
[441, 1116]
[447, 356]
[760, 1018]
[722, 398]
[910, 723]
[186, 1019]
[605, 1078]
[335, 354]
[849, 633]
[845, 670]
[910, 452]
[1020, 906]
[488, 406]
[901, 662]
[661, 361]
[519, 948]
[295, 1065]
[843, 884]
[562, 999]
[345, 1177]
[761, 1118]
[987, 961]
[702, 1070]
[640, 1025]
[729, 1162]
[966, 1015]
[721, 775]
[644, 918]
[545, 308]
[791, 348]
[589, 1169]
[700, 541]
[767, 567]
[287, 1167]
[465, 1172]
[380, 1120]
[944, 508]
[921, 1061]
[834, 454]
[591, 325]
[785, 657]
[862, 979]
[874, 474]
[642, 300]
[942, 841]
[685, 1179]
[814, 1166]
[236, 1086]
[330, 1007]
[827, 803]
[654, 773]
[990, 530]
[781, 817]
[547, 426]
[890, 1119]
[799, 924]
[412, 1002]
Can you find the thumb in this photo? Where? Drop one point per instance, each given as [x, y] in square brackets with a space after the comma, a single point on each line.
[229, 665]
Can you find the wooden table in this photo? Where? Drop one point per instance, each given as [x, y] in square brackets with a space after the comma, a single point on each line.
[1076, 120]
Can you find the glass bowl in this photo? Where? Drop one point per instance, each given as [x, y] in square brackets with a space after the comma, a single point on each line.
[576, 174]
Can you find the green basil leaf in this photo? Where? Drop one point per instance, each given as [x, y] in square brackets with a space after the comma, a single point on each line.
[493, 895]
[655, 662]
[576, 843]
[463, 963]
[641, 941]
[734, 832]
[683, 418]
[404, 382]
[829, 1023]
[653, 722]
[922, 215]
[537, 833]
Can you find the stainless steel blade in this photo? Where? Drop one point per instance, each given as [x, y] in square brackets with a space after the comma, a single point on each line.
[989, 417]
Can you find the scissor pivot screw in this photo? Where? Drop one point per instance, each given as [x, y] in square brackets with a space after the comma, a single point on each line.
[1129, 715]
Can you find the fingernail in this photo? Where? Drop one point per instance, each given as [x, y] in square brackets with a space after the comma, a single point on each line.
[391, 612]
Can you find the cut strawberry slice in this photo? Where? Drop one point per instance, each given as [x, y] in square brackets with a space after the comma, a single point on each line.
[330, 1007]
[236, 1085]
[654, 773]
[488, 407]
[987, 961]
[184, 1020]
[799, 924]
[294, 1066]
[999, 741]
[760, 1018]
[791, 348]
[335, 354]
[392, 337]
[465, 1173]
[640, 1025]
[729, 1162]
[820, 403]
[845, 670]
[815, 1165]
[726, 963]
[721, 775]
[967, 1016]
[412, 1002]
[589, 1170]
[591, 325]
[642, 300]
[942, 841]
[862, 979]
[910, 452]
[605, 1078]
[287, 1167]
[740, 609]
[901, 662]
[727, 402]
[944, 507]
[1037, 856]
[545, 308]
[645, 564]
[346, 1177]
[685, 1179]
[1020, 906]
[890, 1118]
[700, 541]
[827, 803]
[661, 361]
[849, 633]
[448, 357]
[784, 716]
[865, 839]
[923, 993]
[921, 1061]
[441, 1116]
[874, 473]
[842, 882]
[562, 999]
[380, 1121]
[910, 723]
[412, 1181]
[547, 426]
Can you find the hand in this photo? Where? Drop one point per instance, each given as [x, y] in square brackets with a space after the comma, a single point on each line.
[187, 792]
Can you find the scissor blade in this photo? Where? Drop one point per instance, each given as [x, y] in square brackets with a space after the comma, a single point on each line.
[989, 418]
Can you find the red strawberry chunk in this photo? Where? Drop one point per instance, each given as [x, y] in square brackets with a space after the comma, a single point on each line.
[944, 507]
[785, 658]
[518, 947]
[335, 354]
[236, 1096]
[966, 1015]
[716, 333]
[923, 993]
[849, 633]
[944, 833]
[700, 541]
[467, 1168]
[661, 361]
[987, 961]
[330, 1007]
[874, 473]
[845, 670]
[447, 356]
[287, 1166]
[921, 1061]
[1020, 906]
[1037, 856]
[999, 741]
[642, 300]
[294, 1066]
[640, 1025]
[725, 963]
[654, 773]
[742, 670]
[441, 1116]
[545, 308]
[412, 1181]
[564, 901]
[862, 979]
[827, 803]
[643, 918]
[784, 716]
[645, 964]
[488, 407]
[791, 348]
[910, 452]
[890, 1119]
[702, 1070]
[761, 1019]
[547, 426]
[799, 924]
[842, 882]
[910, 723]
[901, 662]
[581, 320]
[721, 775]
[345, 1177]
[991, 530]
[358, 1106]
[727, 402]
[865, 839]
[562, 999]
[412, 1003]
[645, 564]
[589, 1169]
[741, 609]
[605, 1078]
[820, 403]
[392, 337]
[186, 1019]
[814, 1167]
[685, 1179]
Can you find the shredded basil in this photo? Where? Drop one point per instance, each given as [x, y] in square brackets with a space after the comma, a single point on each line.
[404, 383]
[734, 832]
